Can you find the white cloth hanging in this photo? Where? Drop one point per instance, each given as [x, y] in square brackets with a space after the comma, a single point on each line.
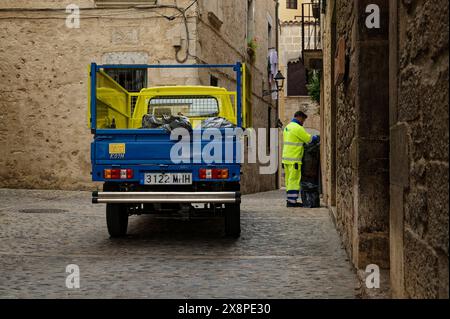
[273, 70]
[273, 60]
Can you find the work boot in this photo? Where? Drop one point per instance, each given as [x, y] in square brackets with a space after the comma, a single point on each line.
[294, 205]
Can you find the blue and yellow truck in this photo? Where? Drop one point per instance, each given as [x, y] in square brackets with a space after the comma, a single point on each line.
[134, 163]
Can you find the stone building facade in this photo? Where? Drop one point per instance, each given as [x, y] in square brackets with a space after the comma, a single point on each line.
[385, 139]
[44, 73]
[290, 59]
[419, 148]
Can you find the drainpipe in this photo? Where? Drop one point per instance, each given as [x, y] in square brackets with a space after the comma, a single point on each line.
[277, 46]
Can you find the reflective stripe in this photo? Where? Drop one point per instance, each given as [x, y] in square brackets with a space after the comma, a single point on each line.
[292, 159]
[295, 138]
[294, 144]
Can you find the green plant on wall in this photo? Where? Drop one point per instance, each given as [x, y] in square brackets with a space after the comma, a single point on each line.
[252, 45]
[313, 86]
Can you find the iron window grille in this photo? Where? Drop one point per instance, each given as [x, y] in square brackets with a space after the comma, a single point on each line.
[311, 33]
[189, 106]
[132, 80]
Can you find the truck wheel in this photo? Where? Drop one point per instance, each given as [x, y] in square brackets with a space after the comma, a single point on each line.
[233, 220]
[117, 220]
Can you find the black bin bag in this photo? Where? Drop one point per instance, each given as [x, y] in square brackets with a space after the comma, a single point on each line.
[310, 185]
[169, 123]
[217, 122]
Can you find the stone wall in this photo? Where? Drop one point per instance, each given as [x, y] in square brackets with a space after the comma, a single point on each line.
[346, 131]
[362, 144]
[328, 107]
[290, 42]
[419, 149]
[44, 65]
[44, 78]
[411, 69]
[305, 104]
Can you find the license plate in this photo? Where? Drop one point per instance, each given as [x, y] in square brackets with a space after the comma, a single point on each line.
[168, 179]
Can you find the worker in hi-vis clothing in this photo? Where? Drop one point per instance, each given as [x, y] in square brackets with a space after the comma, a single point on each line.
[295, 137]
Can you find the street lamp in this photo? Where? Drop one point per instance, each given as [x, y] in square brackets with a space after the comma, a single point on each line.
[316, 9]
[279, 82]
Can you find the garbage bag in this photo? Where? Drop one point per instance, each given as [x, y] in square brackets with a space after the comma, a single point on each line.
[310, 199]
[174, 122]
[169, 123]
[217, 122]
[150, 122]
[311, 163]
[310, 184]
[309, 187]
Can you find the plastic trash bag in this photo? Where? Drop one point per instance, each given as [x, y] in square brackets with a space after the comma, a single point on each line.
[310, 184]
[151, 122]
[216, 122]
[174, 122]
[309, 187]
[310, 199]
[169, 123]
[311, 163]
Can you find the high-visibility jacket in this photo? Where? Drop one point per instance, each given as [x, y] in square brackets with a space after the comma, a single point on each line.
[295, 137]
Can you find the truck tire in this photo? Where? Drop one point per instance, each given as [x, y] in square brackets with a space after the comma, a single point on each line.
[116, 220]
[233, 220]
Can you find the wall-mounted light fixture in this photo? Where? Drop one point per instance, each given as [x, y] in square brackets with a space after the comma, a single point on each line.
[279, 81]
[316, 9]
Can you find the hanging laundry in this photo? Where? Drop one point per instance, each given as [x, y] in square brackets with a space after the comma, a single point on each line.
[273, 61]
[273, 70]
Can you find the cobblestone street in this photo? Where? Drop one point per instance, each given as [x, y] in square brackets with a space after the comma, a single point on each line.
[282, 253]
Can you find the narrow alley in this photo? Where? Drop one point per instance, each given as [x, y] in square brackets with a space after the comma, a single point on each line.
[168, 149]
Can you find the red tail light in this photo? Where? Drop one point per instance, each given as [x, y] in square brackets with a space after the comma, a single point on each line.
[214, 174]
[118, 174]
[130, 174]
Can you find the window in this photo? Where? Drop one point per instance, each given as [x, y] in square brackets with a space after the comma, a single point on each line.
[132, 80]
[296, 79]
[189, 106]
[291, 4]
[123, 3]
[213, 81]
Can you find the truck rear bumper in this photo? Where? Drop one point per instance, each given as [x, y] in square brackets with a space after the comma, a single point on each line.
[166, 198]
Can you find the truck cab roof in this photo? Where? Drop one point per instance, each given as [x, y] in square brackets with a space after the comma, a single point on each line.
[188, 90]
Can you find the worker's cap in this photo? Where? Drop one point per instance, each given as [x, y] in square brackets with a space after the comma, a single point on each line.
[301, 114]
